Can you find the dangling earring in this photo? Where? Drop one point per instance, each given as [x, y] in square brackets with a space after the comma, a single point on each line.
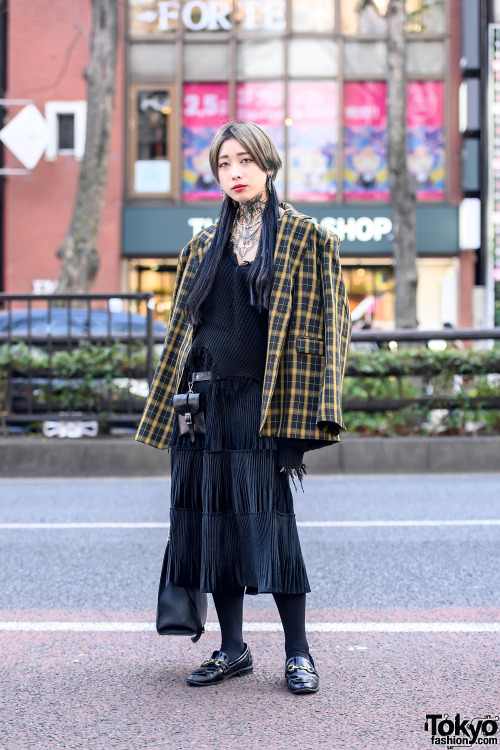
[269, 182]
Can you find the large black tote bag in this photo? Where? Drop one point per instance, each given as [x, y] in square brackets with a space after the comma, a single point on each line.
[180, 611]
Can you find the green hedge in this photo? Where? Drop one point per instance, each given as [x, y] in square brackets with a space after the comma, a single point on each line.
[89, 374]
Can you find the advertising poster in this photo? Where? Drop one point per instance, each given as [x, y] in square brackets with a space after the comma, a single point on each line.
[205, 109]
[264, 104]
[365, 141]
[312, 140]
[425, 123]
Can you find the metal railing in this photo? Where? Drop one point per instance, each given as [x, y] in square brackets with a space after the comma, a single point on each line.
[422, 371]
[76, 356]
[67, 357]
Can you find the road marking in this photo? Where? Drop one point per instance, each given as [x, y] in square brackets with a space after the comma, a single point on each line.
[300, 524]
[259, 627]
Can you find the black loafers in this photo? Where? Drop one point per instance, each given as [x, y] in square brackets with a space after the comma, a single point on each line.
[301, 675]
[218, 668]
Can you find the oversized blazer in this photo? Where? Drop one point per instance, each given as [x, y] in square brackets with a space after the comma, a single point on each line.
[308, 334]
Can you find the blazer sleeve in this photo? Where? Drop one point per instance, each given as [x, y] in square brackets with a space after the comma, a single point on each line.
[181, 265]
[337, 335]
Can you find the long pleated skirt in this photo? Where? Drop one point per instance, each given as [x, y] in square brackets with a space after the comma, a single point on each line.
[232, 522]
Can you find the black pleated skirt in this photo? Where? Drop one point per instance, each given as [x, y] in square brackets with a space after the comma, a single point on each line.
[232, 522]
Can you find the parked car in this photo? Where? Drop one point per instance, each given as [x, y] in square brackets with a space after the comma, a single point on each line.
[35, 389]
[61, 321]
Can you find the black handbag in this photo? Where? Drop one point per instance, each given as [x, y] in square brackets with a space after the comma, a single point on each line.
[191, 417]
[180, 611]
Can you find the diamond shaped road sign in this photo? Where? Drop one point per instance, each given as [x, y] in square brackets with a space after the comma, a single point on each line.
[26, 135]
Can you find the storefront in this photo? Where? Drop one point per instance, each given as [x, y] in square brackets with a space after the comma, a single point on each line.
[314, 75]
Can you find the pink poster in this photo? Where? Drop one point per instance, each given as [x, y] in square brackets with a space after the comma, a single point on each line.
[312, 140]
[365, 141]
[264, 104]
[425, 121]
[205, 109]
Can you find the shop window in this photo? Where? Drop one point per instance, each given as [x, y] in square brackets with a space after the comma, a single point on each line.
[371, 295]
[205, 109]
[312, 140]
[425, 130]
[315, 57]
[151, 141]
[365, 59]
[150, 61]
[425, 16]
[426, 58]
[368, 17]
[260, 59]
[206, 62]
[264, 103]
[154, 275]
[364, 17]
[314, 15]
[365, 140]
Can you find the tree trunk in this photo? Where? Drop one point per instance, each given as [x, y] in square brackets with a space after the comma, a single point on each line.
[78, 253]
[401, 180]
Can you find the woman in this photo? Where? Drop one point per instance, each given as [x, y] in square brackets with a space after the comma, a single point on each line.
[259, 327]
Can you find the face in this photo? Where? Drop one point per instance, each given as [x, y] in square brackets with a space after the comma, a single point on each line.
[240, 176]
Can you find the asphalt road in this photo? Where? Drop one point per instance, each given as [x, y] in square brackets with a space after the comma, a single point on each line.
[404, 620]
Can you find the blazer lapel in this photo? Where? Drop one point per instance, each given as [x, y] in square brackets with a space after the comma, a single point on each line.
[291, 244]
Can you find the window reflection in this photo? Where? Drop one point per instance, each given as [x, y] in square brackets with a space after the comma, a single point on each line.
[368, 17]
[315, 15]
[364, 16]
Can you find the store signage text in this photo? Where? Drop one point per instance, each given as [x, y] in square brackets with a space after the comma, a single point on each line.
[360, 229]
[213, 15]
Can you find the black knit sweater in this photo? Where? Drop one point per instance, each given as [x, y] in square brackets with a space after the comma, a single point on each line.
[235, 334]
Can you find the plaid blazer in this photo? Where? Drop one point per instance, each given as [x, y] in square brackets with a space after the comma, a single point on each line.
[308, 335]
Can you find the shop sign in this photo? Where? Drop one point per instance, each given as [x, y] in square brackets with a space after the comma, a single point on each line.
[361, 229]
[211, 15]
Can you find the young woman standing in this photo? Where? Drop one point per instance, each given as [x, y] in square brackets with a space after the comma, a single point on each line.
[259, 328]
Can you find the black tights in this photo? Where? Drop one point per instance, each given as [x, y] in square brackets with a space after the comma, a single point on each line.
[292, 610]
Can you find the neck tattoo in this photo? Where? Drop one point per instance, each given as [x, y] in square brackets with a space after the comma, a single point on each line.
[248, 225]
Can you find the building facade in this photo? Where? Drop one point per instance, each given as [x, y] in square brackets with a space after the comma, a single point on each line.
[314, 74]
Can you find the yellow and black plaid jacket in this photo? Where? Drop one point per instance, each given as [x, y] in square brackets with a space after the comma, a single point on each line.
[308, 335]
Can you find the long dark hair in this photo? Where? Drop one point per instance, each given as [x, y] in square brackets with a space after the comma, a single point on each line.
[256, 142]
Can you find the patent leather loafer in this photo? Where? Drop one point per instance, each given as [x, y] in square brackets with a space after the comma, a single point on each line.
[218, 668]
[301, 675]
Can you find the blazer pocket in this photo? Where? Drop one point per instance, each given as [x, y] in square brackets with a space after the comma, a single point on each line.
[307, 345]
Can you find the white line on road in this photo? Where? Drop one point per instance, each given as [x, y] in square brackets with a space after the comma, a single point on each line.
[259, 627]
[300, 524]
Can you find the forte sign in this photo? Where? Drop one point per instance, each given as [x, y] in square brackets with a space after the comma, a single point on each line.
[209, 15]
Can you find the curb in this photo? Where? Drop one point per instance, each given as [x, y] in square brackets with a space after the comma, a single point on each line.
[40, 457]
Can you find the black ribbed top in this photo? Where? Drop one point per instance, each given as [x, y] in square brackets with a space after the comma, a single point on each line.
[231, 329]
